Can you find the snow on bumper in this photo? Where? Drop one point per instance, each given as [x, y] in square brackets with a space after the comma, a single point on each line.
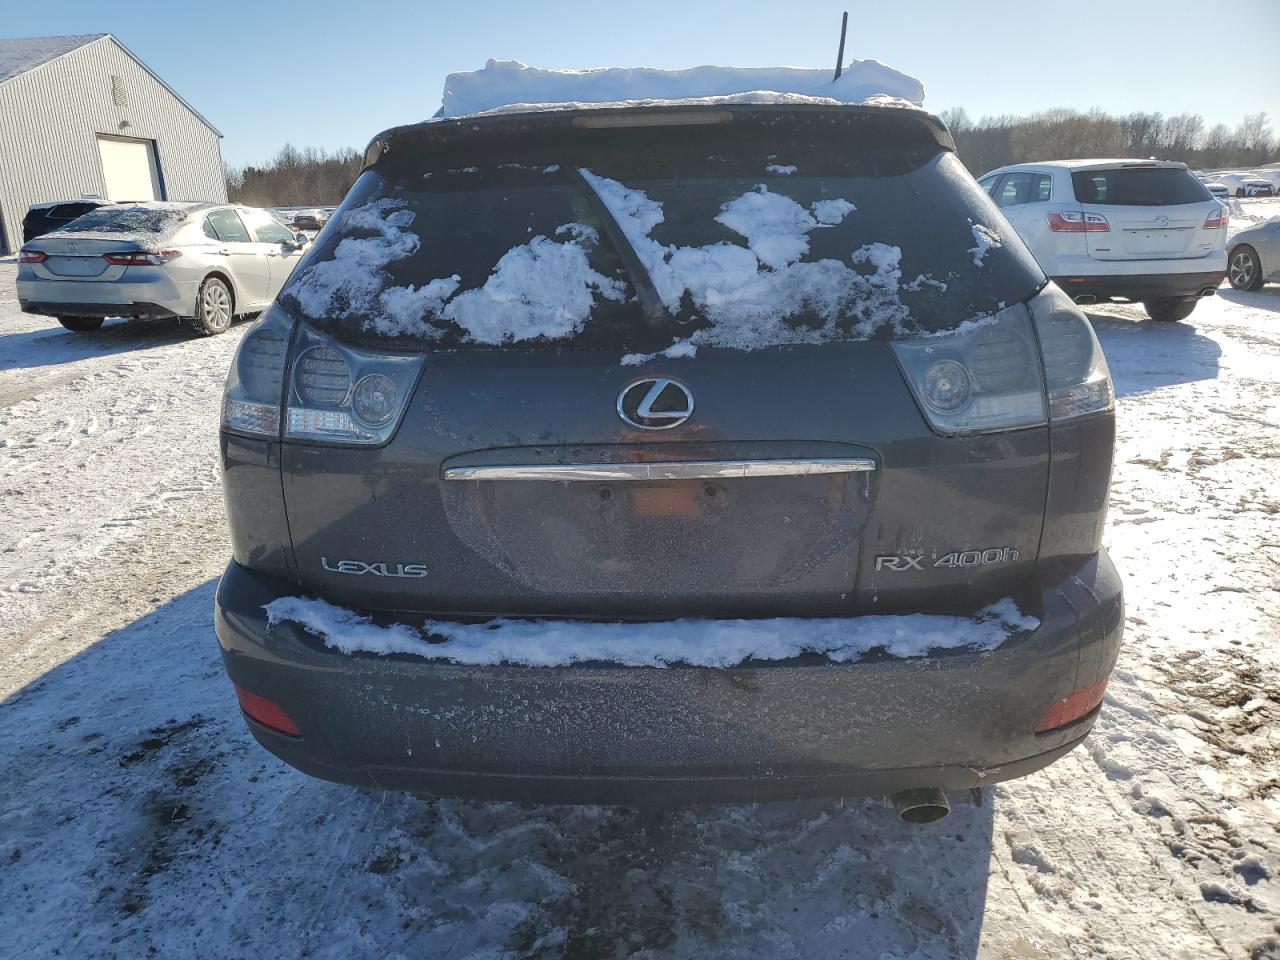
[594, 732]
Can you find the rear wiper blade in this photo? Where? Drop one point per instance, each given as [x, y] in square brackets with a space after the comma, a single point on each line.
[650, 302]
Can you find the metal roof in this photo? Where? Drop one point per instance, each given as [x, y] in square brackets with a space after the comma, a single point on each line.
[19, 55]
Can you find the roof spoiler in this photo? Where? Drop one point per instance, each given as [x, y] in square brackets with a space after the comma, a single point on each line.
[441, 134]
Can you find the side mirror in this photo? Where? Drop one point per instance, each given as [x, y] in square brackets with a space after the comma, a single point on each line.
[301, 240]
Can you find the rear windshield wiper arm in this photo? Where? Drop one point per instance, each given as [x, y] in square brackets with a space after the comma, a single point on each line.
[650, 302]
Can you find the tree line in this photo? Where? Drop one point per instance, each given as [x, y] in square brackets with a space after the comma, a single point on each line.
[1064, 134]
[312, 177]
[316, 177]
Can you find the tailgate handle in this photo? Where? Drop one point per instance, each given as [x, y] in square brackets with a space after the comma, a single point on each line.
[664, 470]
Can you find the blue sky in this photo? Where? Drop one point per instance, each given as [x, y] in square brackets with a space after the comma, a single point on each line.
[330, 74]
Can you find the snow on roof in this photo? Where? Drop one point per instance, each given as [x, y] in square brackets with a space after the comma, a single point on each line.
[512, 86]
[20, 54]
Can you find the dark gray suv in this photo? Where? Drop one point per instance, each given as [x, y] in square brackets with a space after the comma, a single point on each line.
[769, 397]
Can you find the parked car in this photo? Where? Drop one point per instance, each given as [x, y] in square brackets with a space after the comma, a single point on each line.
[200, 262]
[1256, 187]
[1129, 230]
[1218, 190]
[310, 220]
[43, 218]
[1254, 256]
[670, 388]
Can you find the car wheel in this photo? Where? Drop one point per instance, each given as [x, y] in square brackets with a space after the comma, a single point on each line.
[1244, 270]
[1169, 310]
[214, 307]
[81, 324]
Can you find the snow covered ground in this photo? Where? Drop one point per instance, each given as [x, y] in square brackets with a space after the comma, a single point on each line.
[138, 818]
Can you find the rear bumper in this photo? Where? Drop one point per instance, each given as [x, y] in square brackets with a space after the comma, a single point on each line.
[1152, 286]
[612, 734]
[82, 298]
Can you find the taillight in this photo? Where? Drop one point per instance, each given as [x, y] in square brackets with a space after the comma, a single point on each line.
[255, 384]
[983, 377]
[1076, 221]
[145, 259]
[1075, 370]
[32, 256]
[1219, 220]
[338, 393]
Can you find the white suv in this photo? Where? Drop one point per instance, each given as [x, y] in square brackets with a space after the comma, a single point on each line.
[1133, 230]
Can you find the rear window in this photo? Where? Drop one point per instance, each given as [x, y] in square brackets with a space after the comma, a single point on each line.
[739, 244]
[156, 220]
[69, 211]
[1138, 187]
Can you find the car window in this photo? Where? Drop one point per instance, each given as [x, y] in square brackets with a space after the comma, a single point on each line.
[1138, 186]
[501, 245]
[742, 230]
[209, 230]
[266, 229]
[989, 183]
[1014, 189]
[158, 218]
[226, 224]
[1042, 189]
[69, 211]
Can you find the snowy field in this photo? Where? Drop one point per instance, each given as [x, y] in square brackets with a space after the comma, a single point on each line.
[137, 817]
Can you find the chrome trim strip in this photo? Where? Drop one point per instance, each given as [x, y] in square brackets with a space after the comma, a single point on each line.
[678, 470]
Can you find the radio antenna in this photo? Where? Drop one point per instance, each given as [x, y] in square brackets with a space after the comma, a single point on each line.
[844, 25]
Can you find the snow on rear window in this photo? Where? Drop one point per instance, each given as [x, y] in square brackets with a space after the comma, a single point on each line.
[542, 288]
[699, 643]
[748, 294]
[120, 222]
[737, 259]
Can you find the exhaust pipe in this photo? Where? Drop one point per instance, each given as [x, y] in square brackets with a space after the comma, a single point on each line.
[1208, 291]
[1086, 298]
[920, 805]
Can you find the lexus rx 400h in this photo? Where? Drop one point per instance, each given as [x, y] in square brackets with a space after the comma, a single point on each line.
[669, 455]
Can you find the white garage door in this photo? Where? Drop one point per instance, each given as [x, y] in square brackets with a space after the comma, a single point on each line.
[129, 168]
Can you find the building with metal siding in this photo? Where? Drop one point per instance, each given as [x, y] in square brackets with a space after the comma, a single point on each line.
[82, 116]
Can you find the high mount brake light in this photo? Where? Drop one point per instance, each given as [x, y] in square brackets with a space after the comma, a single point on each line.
[144, 259]
[1076, 221]
[656, 118]
[32, 256]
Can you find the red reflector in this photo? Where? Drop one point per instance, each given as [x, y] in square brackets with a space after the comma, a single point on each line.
[267, 713]
[1071, 708]
[32, 256]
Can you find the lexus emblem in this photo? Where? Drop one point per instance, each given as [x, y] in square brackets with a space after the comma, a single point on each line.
[655, 404]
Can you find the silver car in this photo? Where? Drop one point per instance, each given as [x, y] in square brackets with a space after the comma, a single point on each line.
[1253, 256]
[200, 262]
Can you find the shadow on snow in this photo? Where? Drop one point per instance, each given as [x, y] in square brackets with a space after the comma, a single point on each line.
[138, 815]
[1146, 355]
[54, 345]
